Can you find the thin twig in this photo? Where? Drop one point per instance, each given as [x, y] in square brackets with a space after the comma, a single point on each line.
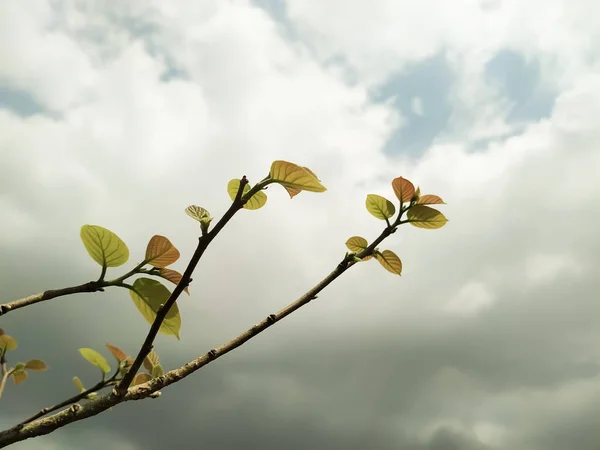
[98, 386]
[91, 286]
[203, 243]
[5, 372]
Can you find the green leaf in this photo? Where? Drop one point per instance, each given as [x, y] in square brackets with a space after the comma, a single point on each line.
[173, 276]
[403, 189]
[357, 244]
[20, 366]
[7, 343]
[104, 246]
[257, 201]
[79, 384]
[95, 358]
[141, 378]
[36, 364]
[425, 217]
[19, 376]
[116, 352]
[429, 199]
[148, 295]
[295, 178]
[157, 371]
[390, 261]
[160, 252]
[380, 207]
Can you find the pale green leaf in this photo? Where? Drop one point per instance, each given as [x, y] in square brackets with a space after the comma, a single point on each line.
[148, 296]
[95, 358]
[380, 207]
[257, 201]
[425, 217]
[104, 246]
[294, 177]
[390, 261]
[7, 343]
[357, 244]
[79, 384]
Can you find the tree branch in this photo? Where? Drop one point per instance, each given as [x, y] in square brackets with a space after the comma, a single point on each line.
[91, 286]
[98, 386]
[77, 412]
[203, 243]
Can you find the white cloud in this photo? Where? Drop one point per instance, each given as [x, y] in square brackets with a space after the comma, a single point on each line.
[130, 150]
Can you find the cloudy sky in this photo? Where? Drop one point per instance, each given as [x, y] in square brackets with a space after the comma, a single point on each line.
[121, 114]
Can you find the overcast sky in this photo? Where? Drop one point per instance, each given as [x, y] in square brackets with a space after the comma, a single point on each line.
[121, 114]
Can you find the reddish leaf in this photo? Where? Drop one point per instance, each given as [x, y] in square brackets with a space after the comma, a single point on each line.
[403, 189]
[116, 352]
[430, 199]
[160, 252]
[173, 276]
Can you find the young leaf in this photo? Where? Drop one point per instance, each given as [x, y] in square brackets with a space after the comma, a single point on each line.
[151, 360]
[173, 276]
[425, 217]
[292, 176]
[116, 352]
[160, 252]
[197, 213]
[157, 371]
[357, 244]
[141, 378]
[19, 366]
[403, 189]
[7, 343]
[257, 201]
[430, 200]
[79, 384]
[1, 331]
[19, 376]
[95, 358]
[389, 261]
[148, 295]
[380, 207]
[295, 191]
[104, 246]
[36, 364]
[417, 195]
